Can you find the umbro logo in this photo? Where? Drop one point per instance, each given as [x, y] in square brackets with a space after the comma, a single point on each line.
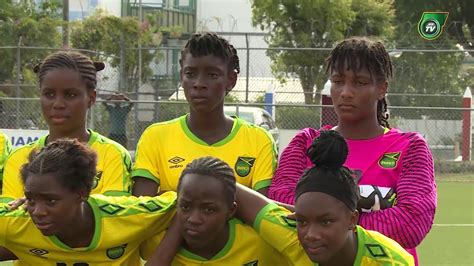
[176, 162]
[38, 251]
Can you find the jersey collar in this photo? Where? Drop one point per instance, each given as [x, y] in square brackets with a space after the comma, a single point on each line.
[235, 128]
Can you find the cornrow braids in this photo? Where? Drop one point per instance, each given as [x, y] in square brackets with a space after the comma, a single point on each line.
[73, 164]
[213, 167]
[357, 53]
[202, 44]
[74, 61]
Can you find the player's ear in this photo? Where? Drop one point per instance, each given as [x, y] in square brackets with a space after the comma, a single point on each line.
[232, 210]
[353, 219]
[92, 98]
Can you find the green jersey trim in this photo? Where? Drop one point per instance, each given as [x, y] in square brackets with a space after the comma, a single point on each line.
[360, 245]
[262, 184]
[145, 174]
[227, 247]
[235, 128]
[116, 193]
[6, 199]
[261, 214]
[95, 237]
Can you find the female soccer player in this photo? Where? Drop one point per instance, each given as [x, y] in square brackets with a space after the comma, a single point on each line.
[209, 68]
[359, 71]
[326, 230]
[67, 90]
[212, 236]
[64, 225]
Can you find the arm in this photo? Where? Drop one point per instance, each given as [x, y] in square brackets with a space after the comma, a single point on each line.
[249, 204]
[144, 187]
[116, 172]
[145, 172]
[6, 254]
[411, 218]
[292, 164]
[168, 246]
[265, 162]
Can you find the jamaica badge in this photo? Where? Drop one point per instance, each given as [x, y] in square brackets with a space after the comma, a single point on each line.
[243, 166]
[116, 252]
[389, 160]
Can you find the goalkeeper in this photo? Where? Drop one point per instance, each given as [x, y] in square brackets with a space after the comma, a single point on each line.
[385, 159]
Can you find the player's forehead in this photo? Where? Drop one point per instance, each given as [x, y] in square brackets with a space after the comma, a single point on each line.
[350, 69]
[203, 188]
[327, 205]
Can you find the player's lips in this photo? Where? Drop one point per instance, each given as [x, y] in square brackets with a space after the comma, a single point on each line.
[346, 107]
[43, 226]
[315, 250]
[58, 118]
[193, 232]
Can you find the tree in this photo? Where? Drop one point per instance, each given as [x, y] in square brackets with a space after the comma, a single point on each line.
[435, 72]
[316, 24]
[30, 25]
[116, 40]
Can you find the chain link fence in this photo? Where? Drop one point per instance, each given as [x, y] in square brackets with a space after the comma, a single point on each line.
[441, 127]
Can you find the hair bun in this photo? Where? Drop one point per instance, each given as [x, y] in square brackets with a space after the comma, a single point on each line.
[37, 68]
[99, 66]
[329, 150]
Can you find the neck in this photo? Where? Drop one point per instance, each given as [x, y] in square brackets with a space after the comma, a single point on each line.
[80, 134]
[81, 230]
[360, 130]
[346, 255]
[210, 127]
[213, 247]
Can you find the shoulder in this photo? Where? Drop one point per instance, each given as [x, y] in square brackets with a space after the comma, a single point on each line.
[102, 144]
[129, 205]
[378, 246]
[22, 153]
[253, 129]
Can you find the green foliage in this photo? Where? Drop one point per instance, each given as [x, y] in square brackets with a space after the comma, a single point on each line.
[426, 72]
[316, 23]
[29, 25]
[117, 39]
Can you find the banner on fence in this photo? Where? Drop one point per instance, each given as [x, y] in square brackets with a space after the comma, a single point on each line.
[20, 137]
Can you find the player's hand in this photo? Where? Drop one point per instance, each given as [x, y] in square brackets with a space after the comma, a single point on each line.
[291, 216]
[17, 203]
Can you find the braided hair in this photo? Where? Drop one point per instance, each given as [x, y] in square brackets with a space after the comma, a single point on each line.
[73, 163]
[74, 61]
[329, 152]
[357, 53]
[216, 168]
[202, 44]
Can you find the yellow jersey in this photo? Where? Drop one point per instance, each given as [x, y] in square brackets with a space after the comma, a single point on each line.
[165, 148]
[244, 247]
[5, 149]
[121, 225]
[373, 249]
[113, 167]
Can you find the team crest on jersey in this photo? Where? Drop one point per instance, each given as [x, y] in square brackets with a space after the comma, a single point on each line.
[252, 263]
[95, 181]
[244, 165]
[389, 160]
[116, 252]
[39, 251]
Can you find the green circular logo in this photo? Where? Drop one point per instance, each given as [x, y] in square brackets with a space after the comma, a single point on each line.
[430, 28]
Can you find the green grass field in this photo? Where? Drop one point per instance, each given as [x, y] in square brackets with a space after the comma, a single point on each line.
[451, 240]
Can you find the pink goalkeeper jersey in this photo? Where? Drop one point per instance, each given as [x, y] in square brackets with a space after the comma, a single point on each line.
[395, 159]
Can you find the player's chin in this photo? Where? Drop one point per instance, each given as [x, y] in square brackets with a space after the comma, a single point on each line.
[317, 257]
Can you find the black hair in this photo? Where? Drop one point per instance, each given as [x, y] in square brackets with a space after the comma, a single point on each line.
[360, 52]
[202, 44]
[74, 61]
[73, 164]
[329, 152]
[216, 168]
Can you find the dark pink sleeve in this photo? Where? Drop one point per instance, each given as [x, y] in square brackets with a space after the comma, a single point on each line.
[411, 218]
[293, 161]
